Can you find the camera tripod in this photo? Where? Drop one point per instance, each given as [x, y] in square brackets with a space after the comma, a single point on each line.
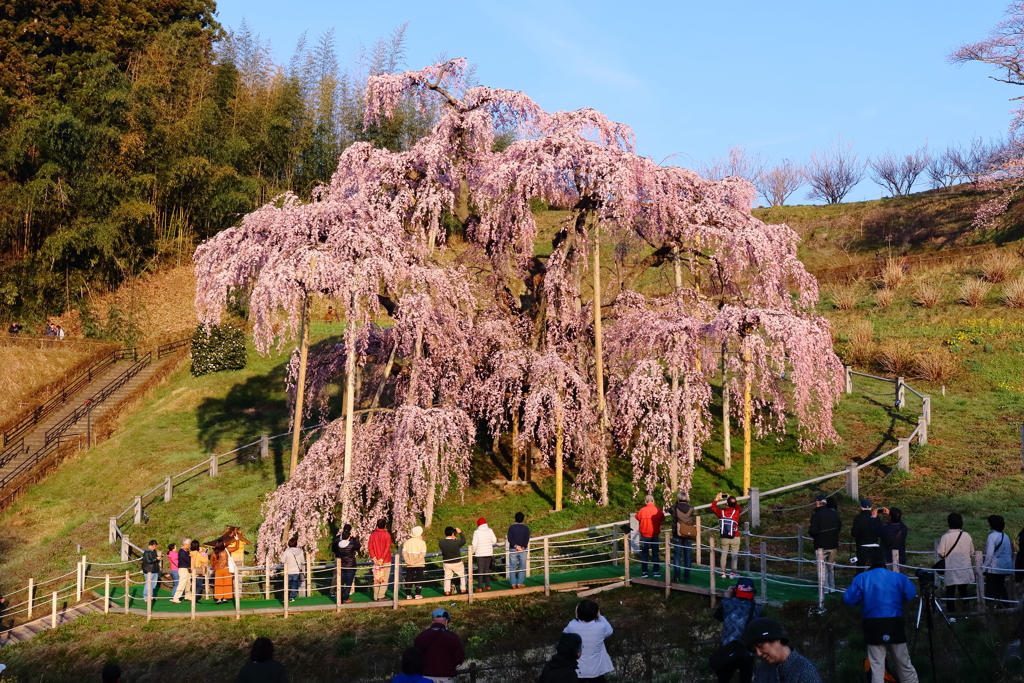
[925, 604]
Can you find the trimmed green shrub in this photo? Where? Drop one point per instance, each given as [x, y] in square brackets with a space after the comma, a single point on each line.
[216, 348]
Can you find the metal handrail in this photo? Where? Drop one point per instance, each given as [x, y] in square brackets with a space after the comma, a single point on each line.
[170, 347]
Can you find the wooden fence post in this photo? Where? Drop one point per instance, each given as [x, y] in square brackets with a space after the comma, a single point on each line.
[711, 564]
[397, 568]
[528, 559]
[124, 548]
[31, 596]
[625, 558]
[469, 567]
[820, 555]
[746, 555]
[615, 551]
[508, 570]
[53, 610]
[755, 507]
[266, 577]
[903, 455]
[112, 531]
[901, 393]
[85, 573]
[337, 584]
[698, 541]
[192, 578]
[848, 371]
[138, 509]
[852, 482]
[307, 590]
[764, 571]
[668, 563]
[149, 603]
[547, 569]
[800, 551]
[213, 465]
[238, 596]
[127, 590]
[168, 490]
[926, 408]
[78, 581]
[896, 561]
[285, 590]
[922, 431]
[264, 446]
[106, 594]
[979, 577]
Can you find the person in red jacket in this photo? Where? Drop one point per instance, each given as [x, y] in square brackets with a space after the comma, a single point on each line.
[729, 530]
[442, 649]
[379, 545]
[650, 518]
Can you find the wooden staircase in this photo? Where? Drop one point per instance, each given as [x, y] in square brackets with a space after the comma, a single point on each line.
[66, 615]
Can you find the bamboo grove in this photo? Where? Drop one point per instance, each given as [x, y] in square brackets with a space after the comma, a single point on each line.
[500, 333]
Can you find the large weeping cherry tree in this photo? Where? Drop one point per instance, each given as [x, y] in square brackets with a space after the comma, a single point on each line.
[441, 337]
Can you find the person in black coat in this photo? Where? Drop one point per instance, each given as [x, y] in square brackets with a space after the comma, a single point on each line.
[893, 535]
[866, 540]
[562, 667]
[346, 545]
[824, 529]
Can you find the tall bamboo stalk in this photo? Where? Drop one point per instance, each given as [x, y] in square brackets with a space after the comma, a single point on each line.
[599, 361]
[300, 389]
[747, 410]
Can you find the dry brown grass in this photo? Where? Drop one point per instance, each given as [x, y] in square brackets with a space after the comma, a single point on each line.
[1013, 293]
[896, 357]
[26, 372]
[884, 297]
[973, 292]
[936, 365]
[999, 265]
[894, 273]
[928, 294]
[845, 297]
[862, 342]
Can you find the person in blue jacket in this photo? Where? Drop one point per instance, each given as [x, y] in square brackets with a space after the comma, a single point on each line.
[882, 594]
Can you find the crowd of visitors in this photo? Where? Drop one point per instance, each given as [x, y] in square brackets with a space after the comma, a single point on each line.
[191, 559]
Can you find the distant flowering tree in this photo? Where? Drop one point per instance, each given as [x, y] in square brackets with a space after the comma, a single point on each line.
[491, 332]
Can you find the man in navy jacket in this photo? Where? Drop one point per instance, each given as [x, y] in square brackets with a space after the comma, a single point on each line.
[883, 593]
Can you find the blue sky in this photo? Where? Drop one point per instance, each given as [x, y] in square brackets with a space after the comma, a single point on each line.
[693, 79]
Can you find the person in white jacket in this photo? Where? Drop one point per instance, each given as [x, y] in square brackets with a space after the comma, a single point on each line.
[414, 553]
[998, 560]
[956, 547]
[482, 547]
[594, 663]
[294, 561]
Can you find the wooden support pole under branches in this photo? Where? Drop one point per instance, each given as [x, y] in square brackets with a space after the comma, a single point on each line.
[726, 428]
[559, 435]
[747, 416]
[599, 364]
[300, 387]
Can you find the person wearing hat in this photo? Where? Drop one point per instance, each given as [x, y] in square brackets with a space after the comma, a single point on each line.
[768, 641]
[866, 540]
[441, 648]
[482, 548]
[824, 529]
[881, 594]
[379, 546]
[684, 530]
[562, 667]
[414, 554]
[451, 556]
[737, 610]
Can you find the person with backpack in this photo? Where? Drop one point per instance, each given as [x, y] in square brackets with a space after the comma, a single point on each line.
[824, 529]
[736, 611]
[955, 550]
[414, 554]
[346, 545]
[998, 561]
[729, 530]
[150, 570]
[866, 541]
[684, 530]
[650, 518]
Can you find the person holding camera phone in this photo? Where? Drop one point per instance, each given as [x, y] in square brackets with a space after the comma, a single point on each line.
[893, 534]
[592, 628]
[882, 593]
[729, 530]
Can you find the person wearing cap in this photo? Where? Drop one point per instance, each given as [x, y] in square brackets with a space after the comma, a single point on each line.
[441, 648]
[779, 662]
[451, 556]
[683, 531]
[737, 610]
[650, 518]
[414, 554]
[518, 543]
[867, 541]
[593, 629]
[379, 546]
[482, 548]
[881, 594]
[561, 668]
[824, 529]
[729, 531]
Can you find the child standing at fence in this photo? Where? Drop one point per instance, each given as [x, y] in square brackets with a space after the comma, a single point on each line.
[729, 530]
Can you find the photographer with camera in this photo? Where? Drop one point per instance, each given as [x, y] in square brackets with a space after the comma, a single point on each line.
[824, 529]
[867, 542]
[729, 530]
[883, 593]
[893, 534]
